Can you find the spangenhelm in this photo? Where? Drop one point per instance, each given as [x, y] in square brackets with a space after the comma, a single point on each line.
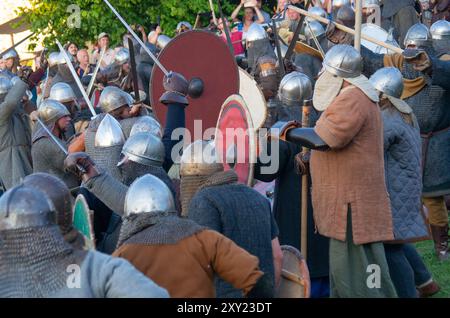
[148, 194]
[344, 61]
[147, 124]
[295, 88]
[58, 192]
[317, 29]
[388, 80]
[62, 92]
[50, 111]
[256, 32]
[113, 98]
[22, 207]
[10, 54]
[317, 11]
[122, 56]
[418, 35]
[162, 41]
[109, 133]
[143, 148]
[440, 30]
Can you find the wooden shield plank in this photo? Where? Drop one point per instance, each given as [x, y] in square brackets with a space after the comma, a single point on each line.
[204, 55]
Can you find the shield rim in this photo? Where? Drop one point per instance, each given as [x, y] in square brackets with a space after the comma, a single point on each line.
[251, 134]
[245, 73]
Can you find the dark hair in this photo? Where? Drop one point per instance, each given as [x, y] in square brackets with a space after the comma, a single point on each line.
[66, 46]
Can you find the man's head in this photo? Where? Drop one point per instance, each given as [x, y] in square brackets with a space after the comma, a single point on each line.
[183, 26]
[342, 64]
[103, 40]
[148, 194]
[63, 93]
[72, 48]
[116, 102]
[83, 57]
[249, 14]
[55, 115]
[198, 162]
[294, 89]
[11, 58]
[24, 208]
[2, 64]
[58, 193]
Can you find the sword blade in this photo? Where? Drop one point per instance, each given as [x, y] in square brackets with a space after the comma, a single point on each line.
[94, 75]
[76, 78]
[291, 47]
[163, 69]
[52, 137]
[17, 44]
[134, 75]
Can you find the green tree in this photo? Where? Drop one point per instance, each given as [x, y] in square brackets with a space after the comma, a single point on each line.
[54, 18]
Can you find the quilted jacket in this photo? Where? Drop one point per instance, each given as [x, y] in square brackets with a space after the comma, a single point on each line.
[402, 153]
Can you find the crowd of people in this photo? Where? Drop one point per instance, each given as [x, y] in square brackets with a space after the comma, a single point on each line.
[378, 173]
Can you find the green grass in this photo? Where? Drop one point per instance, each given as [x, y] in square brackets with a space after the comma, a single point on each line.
[439, 270]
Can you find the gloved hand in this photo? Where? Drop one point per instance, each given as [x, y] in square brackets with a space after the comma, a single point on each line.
[280, 129]
[418, 58]
[290, 66]
[176, 87]
[24, 73]
[263, 288]
[43, 62]
[337, 36]
[80, 164]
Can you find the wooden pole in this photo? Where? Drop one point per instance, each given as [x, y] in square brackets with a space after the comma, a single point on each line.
[348, 30]
[306, 109]
[358, 21]
[211, 6]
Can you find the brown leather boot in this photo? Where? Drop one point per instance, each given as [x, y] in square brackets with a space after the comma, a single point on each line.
[440, 238]
[428, 289]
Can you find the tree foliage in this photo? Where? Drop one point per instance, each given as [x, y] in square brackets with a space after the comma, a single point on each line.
[50, 18]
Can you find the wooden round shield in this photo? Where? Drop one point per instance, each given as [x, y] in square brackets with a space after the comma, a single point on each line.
[235, 139]
[253, 97]
[203, 55]
[295, 281]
